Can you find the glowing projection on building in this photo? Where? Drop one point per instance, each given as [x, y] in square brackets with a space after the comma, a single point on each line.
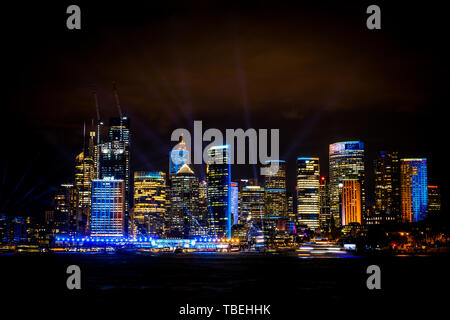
[218, 174]
[308, 191]
[107, 208]
[178, 157]
[414, 189]
[346, 162]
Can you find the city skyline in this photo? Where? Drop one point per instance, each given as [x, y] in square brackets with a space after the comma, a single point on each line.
[317, 87]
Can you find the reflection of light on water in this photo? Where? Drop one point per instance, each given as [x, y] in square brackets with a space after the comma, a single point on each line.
[321, 248]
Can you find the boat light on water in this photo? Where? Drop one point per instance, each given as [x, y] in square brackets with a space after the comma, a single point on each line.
[320, 247]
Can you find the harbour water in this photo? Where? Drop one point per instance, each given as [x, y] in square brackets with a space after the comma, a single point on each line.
[159, 284]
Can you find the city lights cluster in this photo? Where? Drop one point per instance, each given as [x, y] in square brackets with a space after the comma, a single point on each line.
[146, 241]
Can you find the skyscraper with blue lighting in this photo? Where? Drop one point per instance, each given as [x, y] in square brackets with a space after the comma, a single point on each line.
[107, 209]
[219, 190]
[414, 189]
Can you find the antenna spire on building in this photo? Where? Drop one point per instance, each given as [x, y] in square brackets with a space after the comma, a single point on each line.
[116, 97]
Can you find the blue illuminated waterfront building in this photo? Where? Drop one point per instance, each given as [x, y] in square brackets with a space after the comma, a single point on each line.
[414, 189]
[107, 210]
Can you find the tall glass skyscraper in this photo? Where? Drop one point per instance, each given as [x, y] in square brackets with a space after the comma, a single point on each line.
[114, 158]
[107, 210]
[387, 184]
[346, 162]
[185, 216]
[308, 191]
[219, 190]
[414, 189]
[252, 206]
[149, 202]
[275, 191]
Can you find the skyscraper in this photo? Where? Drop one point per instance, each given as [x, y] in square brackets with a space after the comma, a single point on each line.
[387, 184]
[275, 191]
[414, 189]
[350, 195]
[64, 217]
[149, 202]
[114, 158]
[324, 216]
[84, 173]
[346, 162]
[252, 206]
[184, 195]
[107, 211]
[308, 191]
[219, 190]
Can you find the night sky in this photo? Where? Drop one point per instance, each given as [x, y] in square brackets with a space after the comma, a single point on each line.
[312, 70]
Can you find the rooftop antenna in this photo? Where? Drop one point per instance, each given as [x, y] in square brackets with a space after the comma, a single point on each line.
[84, 138]
[97, 110]
[116, 96]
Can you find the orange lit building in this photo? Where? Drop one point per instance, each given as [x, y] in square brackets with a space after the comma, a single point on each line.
[350, 201]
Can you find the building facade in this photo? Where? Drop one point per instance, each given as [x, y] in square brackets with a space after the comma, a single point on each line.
[346, 161]
[414, 189]
[308, 192]
[219, 191]
[108, 206]
[275, 190]
[149, 202]
[351, 206]
[387, 184]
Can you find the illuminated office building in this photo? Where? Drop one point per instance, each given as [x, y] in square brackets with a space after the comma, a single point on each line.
[434, 200]
[350, 195]
[178, 157]
[185, 217]
[149, 202]
[275, 190]
[387, 184]
[84, 173]
[308, 192]
[325, 215]
[63, 218]
[252, 206]
[108, 205]
[346, 161]
[414, 189]
[219, 190]
[114, 158]
[234, 202]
